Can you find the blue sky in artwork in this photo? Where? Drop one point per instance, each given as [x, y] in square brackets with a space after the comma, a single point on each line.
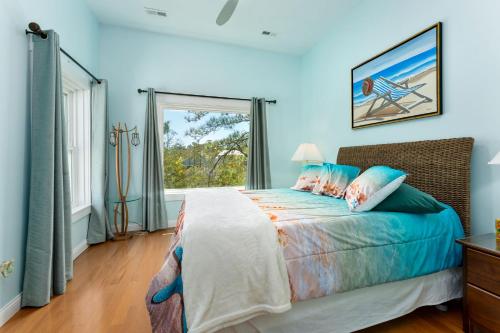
[180, 125]
[408, 50]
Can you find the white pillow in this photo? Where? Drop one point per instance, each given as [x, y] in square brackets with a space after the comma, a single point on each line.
[372, 187]
[334, 179]
[308, 178]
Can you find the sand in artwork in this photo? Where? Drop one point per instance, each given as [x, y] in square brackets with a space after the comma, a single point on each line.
[392, 112]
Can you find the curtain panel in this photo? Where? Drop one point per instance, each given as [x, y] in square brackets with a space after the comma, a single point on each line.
[258, 170]
[99, 228]
[154, 214]
[49, 263]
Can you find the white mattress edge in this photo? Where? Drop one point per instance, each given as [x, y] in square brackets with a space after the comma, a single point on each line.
[360, 308]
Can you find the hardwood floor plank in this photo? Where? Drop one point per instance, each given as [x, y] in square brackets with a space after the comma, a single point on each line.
[427, 319]
[111, 281]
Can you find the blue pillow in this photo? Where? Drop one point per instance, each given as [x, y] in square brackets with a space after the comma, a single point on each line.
[334, 179]
[372, 187]
[407, 199]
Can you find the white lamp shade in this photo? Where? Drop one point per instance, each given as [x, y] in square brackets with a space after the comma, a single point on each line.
[307, 152]
[496, 159]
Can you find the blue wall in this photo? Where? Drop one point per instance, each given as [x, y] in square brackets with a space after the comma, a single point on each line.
[470, 77]
[132, 59]
[79, 35]
[313, 92]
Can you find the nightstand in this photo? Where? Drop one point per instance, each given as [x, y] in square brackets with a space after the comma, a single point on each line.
[481, 311]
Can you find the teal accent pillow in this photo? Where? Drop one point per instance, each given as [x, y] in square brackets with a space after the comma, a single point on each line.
[408, 199]
[334, 179]
[308, 178]
[373, 186]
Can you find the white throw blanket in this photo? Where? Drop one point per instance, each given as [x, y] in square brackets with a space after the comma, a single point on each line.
[233, 267]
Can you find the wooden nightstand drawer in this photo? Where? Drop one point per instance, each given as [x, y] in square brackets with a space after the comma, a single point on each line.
[484, 308]
[481, 283]
[483, 271]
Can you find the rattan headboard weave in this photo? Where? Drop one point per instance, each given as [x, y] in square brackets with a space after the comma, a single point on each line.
[438, 167]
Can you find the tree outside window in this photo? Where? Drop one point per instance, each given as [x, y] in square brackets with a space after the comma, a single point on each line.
[204, 149]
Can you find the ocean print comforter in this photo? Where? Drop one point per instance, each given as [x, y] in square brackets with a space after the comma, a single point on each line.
[327, 250]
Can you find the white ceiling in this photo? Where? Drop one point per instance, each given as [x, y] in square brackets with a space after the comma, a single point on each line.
[299, 24]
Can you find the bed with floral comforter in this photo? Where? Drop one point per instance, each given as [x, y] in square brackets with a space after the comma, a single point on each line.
[327, 249]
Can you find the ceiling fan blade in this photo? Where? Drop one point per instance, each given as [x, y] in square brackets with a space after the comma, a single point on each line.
[226, 12]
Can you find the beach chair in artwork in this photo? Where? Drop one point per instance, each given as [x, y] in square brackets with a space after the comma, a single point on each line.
[391, 93]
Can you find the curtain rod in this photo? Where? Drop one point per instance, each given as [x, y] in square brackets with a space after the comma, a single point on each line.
[140, 91]
[36, 30]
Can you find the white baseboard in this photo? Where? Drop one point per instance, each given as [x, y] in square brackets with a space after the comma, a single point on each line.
[79, 249]
[10, 309]
[138, 227]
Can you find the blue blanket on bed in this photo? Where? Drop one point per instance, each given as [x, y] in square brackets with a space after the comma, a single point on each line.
[329, 249]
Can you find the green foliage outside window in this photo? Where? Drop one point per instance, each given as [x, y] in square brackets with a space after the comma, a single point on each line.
[206, 163]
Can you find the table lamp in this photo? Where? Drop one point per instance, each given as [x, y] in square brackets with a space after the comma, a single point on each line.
[496, 161]
[308, 153]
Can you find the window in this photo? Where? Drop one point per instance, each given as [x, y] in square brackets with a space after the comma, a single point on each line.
[205, 142]
[76, 100]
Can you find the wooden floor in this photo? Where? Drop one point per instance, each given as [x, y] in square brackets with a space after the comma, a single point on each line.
[424, 320]
[111, 280]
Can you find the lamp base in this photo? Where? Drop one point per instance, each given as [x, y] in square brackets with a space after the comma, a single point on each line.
[313, 163]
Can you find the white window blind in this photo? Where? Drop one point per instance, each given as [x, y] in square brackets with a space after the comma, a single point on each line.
[201, 104]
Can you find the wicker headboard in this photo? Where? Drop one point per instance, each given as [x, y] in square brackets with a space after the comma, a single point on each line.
[438, 167]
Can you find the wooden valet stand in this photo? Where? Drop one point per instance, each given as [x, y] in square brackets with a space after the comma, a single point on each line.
[120, 205]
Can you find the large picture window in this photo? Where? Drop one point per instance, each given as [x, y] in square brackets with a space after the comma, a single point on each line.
[205, 143]
[204, 149]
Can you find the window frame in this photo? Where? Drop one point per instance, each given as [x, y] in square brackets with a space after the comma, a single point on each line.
[196, 104]
[77, 108]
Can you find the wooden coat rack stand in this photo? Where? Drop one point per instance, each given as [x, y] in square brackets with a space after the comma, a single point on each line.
[120, 205]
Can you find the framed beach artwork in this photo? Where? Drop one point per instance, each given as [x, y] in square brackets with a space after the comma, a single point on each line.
[399, 84]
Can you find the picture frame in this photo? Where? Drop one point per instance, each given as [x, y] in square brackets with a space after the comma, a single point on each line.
[400, 83]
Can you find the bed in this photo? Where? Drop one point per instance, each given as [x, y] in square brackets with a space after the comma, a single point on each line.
[345, 271]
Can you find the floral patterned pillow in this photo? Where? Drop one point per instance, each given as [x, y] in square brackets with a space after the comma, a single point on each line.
[334, 179]
[308, 178]
[372, 187]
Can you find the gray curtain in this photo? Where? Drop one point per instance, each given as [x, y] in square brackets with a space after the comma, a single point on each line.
[154, 214]
[48, 249]
[258, 174]
[99, 229]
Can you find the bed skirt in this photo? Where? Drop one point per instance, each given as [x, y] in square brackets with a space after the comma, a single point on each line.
[360, 308]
